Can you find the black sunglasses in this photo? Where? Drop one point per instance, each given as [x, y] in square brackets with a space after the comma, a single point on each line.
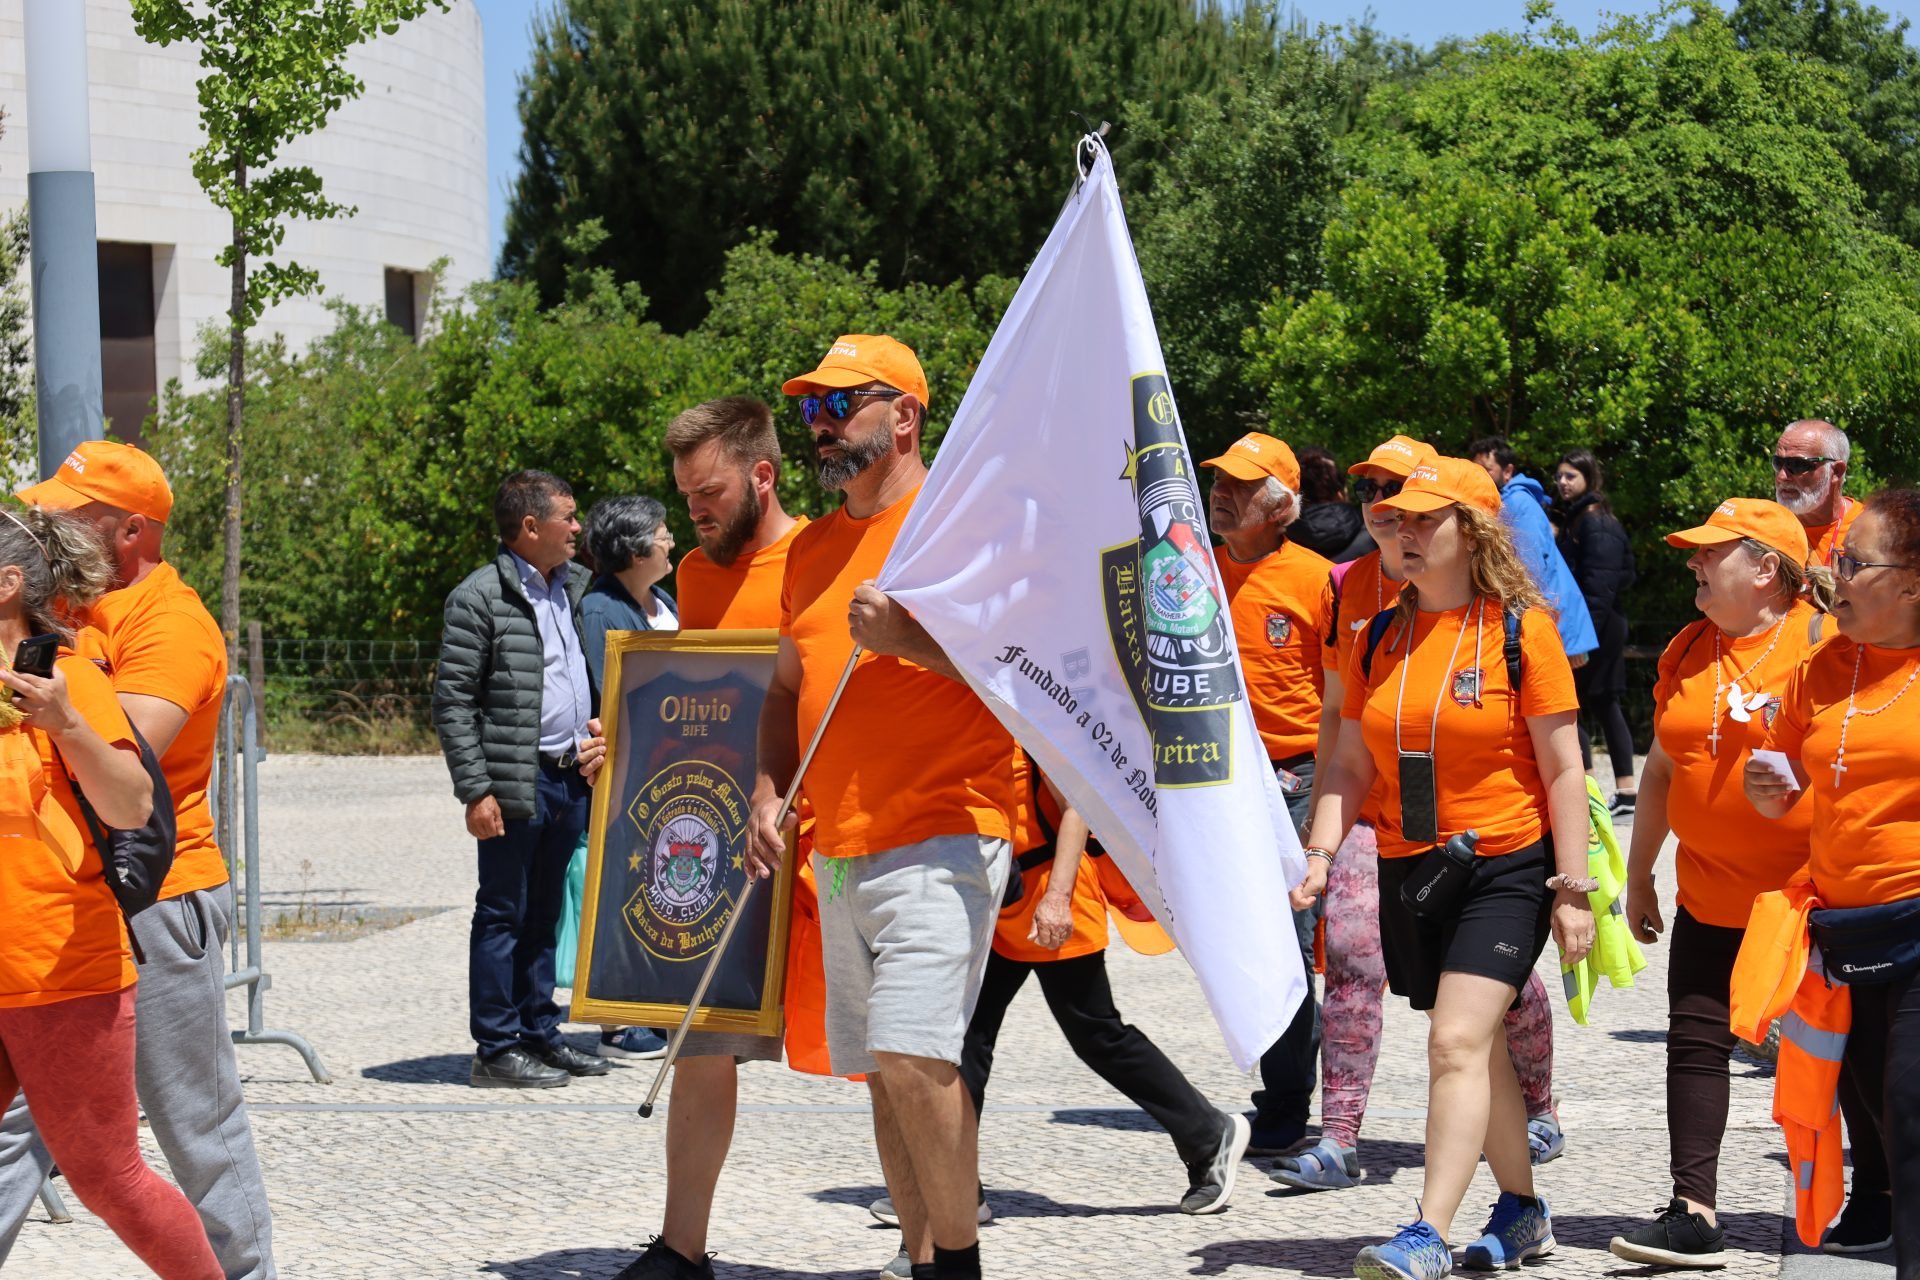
[838, 404]
[1367, 490]
[1845, 566]
[1799, 466]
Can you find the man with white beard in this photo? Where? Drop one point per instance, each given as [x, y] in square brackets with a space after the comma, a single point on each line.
[1809, 472]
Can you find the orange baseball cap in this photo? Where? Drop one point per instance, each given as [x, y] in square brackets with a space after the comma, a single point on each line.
[1442, 482]
[103, 471]
[855, 359]
[1399, 455]
[1256, 456]
[1757, 518]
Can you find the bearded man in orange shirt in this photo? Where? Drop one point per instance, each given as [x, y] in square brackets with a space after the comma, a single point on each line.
[1809, 479]
[168, 663]
[912, 792]
[726, 463]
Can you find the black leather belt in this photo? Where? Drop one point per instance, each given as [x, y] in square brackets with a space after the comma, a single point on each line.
[561, 763]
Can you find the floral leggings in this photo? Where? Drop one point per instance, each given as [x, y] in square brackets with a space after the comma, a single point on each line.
[1355, 980]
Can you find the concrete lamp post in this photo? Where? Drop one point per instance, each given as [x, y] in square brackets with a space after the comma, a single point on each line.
[66, 269]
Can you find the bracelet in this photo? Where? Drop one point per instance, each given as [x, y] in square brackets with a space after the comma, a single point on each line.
[1314, 851]
[1571, 884]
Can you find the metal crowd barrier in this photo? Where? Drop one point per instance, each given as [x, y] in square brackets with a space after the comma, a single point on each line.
[237, 753]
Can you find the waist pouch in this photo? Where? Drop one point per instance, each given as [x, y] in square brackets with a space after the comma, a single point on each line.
[1869, 946]
[1434, 890]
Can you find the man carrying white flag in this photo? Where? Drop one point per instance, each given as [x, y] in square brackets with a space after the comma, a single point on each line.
[1059, 556]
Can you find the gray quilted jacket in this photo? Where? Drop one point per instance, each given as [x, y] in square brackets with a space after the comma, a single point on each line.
[486, 693]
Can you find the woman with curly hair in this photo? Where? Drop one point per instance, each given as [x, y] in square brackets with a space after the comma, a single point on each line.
[1464, 706]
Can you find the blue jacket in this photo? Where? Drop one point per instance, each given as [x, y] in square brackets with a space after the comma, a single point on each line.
[1523, 505]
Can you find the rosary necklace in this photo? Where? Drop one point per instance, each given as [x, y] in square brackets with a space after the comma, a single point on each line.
[1840, 756]
[1738, 704]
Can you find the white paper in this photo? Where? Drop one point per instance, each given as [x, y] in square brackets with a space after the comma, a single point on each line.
[1776, 763]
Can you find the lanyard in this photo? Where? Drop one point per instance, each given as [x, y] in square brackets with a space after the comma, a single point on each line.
[1433, 725]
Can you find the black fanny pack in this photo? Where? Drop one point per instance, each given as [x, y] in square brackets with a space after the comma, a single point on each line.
[1436, 886]
[1869, 946]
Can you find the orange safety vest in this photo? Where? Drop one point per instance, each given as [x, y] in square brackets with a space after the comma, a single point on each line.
[1778, 973]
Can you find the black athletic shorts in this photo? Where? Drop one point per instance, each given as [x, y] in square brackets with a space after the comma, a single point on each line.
[1503, 924]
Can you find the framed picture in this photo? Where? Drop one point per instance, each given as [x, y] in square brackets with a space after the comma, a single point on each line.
[665, 859]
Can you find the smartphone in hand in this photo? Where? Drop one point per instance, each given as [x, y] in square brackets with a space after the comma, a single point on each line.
[35, 655]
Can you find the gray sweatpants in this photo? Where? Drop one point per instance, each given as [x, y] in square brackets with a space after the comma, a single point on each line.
[189, 1087]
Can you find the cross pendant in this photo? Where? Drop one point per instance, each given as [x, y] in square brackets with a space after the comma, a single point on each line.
[1713, 741]
[1838, 769]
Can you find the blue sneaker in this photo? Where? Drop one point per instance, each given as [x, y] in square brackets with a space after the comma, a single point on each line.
[1519, 1229]
[632, 1042]
[1416, 1253]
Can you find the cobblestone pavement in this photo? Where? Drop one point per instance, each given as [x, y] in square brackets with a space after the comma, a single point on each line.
[398, 1169]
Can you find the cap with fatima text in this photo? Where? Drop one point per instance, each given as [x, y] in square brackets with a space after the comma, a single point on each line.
[1256, 456]
[1767, 523]
[1444, 482]
[856, 359]
[102, 471]
[1400, 455]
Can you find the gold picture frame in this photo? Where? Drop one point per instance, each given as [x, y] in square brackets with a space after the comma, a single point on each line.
[670, 796]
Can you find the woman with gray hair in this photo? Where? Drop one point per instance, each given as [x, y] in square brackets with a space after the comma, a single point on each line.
[66, 970]
[632, 552]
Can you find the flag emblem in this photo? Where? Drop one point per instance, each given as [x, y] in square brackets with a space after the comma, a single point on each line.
[690, 834]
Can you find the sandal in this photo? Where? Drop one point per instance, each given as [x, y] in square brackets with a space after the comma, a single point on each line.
[1324, 1166]
[1545, 1139]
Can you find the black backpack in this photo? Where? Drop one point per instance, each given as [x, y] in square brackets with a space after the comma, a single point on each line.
[1509, 646]
[137, 858]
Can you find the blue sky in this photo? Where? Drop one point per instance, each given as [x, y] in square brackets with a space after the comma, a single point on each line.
[506, 23]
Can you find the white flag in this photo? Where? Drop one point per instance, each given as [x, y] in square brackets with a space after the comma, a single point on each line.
[1059, 554]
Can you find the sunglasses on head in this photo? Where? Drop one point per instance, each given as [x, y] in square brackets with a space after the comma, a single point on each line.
[838, 404]
[1799, 466]
[1845, 566]
[1368, 490]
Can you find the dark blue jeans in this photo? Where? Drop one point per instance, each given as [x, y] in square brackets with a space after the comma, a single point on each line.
[1289, 1069]
[523, 878]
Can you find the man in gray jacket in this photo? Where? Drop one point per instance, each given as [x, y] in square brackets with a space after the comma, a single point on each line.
[513, 704]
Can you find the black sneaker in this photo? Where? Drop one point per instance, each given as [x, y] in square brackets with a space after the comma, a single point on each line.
[515, 1068]
[661, 1263]
[1865, 1226]
[1676, 1238]
[1620, 808]
[564, 1057]
[1210, 1182]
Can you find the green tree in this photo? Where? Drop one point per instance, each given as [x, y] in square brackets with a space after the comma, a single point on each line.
[1880, 76]
[275, 71]
[1617, 307]
[934, 140]
[1239, 197]
[1660, 125]
[420, 434]
[18, 445]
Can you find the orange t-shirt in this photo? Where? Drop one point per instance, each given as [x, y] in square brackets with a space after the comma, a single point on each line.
[161, 641]
[1866, 827]
[61, 931]
[1485, 775]
[910, 754]
[1364, 592]
[745, 594]
[1036, 821]
[1728, 853]
[1282, 608]
[1825, 539]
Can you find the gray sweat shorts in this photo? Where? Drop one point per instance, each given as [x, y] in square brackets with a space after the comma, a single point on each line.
[905, 935]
